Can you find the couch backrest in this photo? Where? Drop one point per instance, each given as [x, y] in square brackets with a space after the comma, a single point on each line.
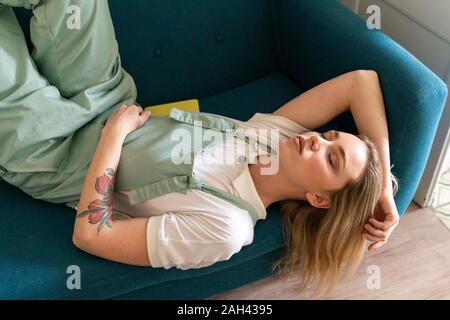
[192, 48]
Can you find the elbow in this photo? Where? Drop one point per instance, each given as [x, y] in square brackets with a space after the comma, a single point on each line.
[80, 241]
[77, 241]
[365, 75]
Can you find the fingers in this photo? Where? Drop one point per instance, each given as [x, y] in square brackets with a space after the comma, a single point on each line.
[370, 237]
[135, 107]
[143, 113]
[130, 105]
[375, 232]
[144, 116]
[139, 109]
[380, 225]
[376, 245]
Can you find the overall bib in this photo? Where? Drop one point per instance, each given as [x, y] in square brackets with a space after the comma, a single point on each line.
[147, 168]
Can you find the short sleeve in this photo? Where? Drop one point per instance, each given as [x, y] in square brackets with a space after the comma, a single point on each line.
[196, 239]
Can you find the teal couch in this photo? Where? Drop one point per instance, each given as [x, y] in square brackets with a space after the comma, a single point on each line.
[237, 57]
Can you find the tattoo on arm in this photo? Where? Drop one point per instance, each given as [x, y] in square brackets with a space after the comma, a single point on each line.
[100, 210]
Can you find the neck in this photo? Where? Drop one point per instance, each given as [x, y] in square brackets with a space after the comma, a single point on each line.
[272, 188]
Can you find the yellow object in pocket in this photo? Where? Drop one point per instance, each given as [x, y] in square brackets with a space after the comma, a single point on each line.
[191, 105]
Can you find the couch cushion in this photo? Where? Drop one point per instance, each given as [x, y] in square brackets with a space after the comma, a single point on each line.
[176, 49]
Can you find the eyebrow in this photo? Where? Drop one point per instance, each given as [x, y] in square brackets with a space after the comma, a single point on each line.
[341, 151]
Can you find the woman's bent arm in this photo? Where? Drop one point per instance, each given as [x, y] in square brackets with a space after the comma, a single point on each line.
[358, 91]
[322, 103]
[95, 232]
[368, 111]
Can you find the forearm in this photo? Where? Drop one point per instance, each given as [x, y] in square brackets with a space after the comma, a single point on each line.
[95, 208]
[368, 110]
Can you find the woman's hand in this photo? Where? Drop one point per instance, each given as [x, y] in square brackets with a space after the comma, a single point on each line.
[385, 219]
[125, 120]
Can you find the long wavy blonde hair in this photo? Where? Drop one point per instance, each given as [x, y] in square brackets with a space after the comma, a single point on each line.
[324, 244]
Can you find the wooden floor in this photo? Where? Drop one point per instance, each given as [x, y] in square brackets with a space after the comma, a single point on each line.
[414, 264]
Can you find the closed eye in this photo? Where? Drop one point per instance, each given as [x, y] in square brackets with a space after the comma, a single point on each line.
[329, 156]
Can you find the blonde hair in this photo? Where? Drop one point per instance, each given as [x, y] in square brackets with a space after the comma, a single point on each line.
[321, 244]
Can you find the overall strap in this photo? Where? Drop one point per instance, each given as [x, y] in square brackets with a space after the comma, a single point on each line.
[208, 120]
[183, 184]
[172, 184]
[216, 122]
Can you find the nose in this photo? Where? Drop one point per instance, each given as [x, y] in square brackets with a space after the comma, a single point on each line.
[315, 143]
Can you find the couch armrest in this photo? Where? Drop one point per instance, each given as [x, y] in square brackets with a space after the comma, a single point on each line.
[321, 39]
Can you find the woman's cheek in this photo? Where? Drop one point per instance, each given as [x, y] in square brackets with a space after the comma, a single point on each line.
[316, 169]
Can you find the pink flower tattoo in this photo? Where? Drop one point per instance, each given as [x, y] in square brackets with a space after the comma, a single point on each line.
[100, 210]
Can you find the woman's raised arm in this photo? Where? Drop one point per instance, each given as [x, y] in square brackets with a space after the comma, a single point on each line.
[360, 92]
[322, 103]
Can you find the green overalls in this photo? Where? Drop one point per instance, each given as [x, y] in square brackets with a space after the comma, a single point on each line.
[52, 167]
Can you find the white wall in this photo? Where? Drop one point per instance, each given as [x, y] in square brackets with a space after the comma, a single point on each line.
[433, 14]
[423, 28]
[350, 4]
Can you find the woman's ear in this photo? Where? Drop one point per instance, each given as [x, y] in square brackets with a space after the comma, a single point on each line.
[318, 200]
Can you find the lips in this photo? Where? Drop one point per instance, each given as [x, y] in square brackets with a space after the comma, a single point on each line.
[301, 143]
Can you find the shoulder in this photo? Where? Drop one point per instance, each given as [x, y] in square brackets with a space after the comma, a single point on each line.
[236, 230]
[286, 126]
[206, 217]
[233, 224]
[197, 239]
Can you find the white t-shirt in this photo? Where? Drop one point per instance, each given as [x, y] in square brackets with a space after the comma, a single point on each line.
[197, 229]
